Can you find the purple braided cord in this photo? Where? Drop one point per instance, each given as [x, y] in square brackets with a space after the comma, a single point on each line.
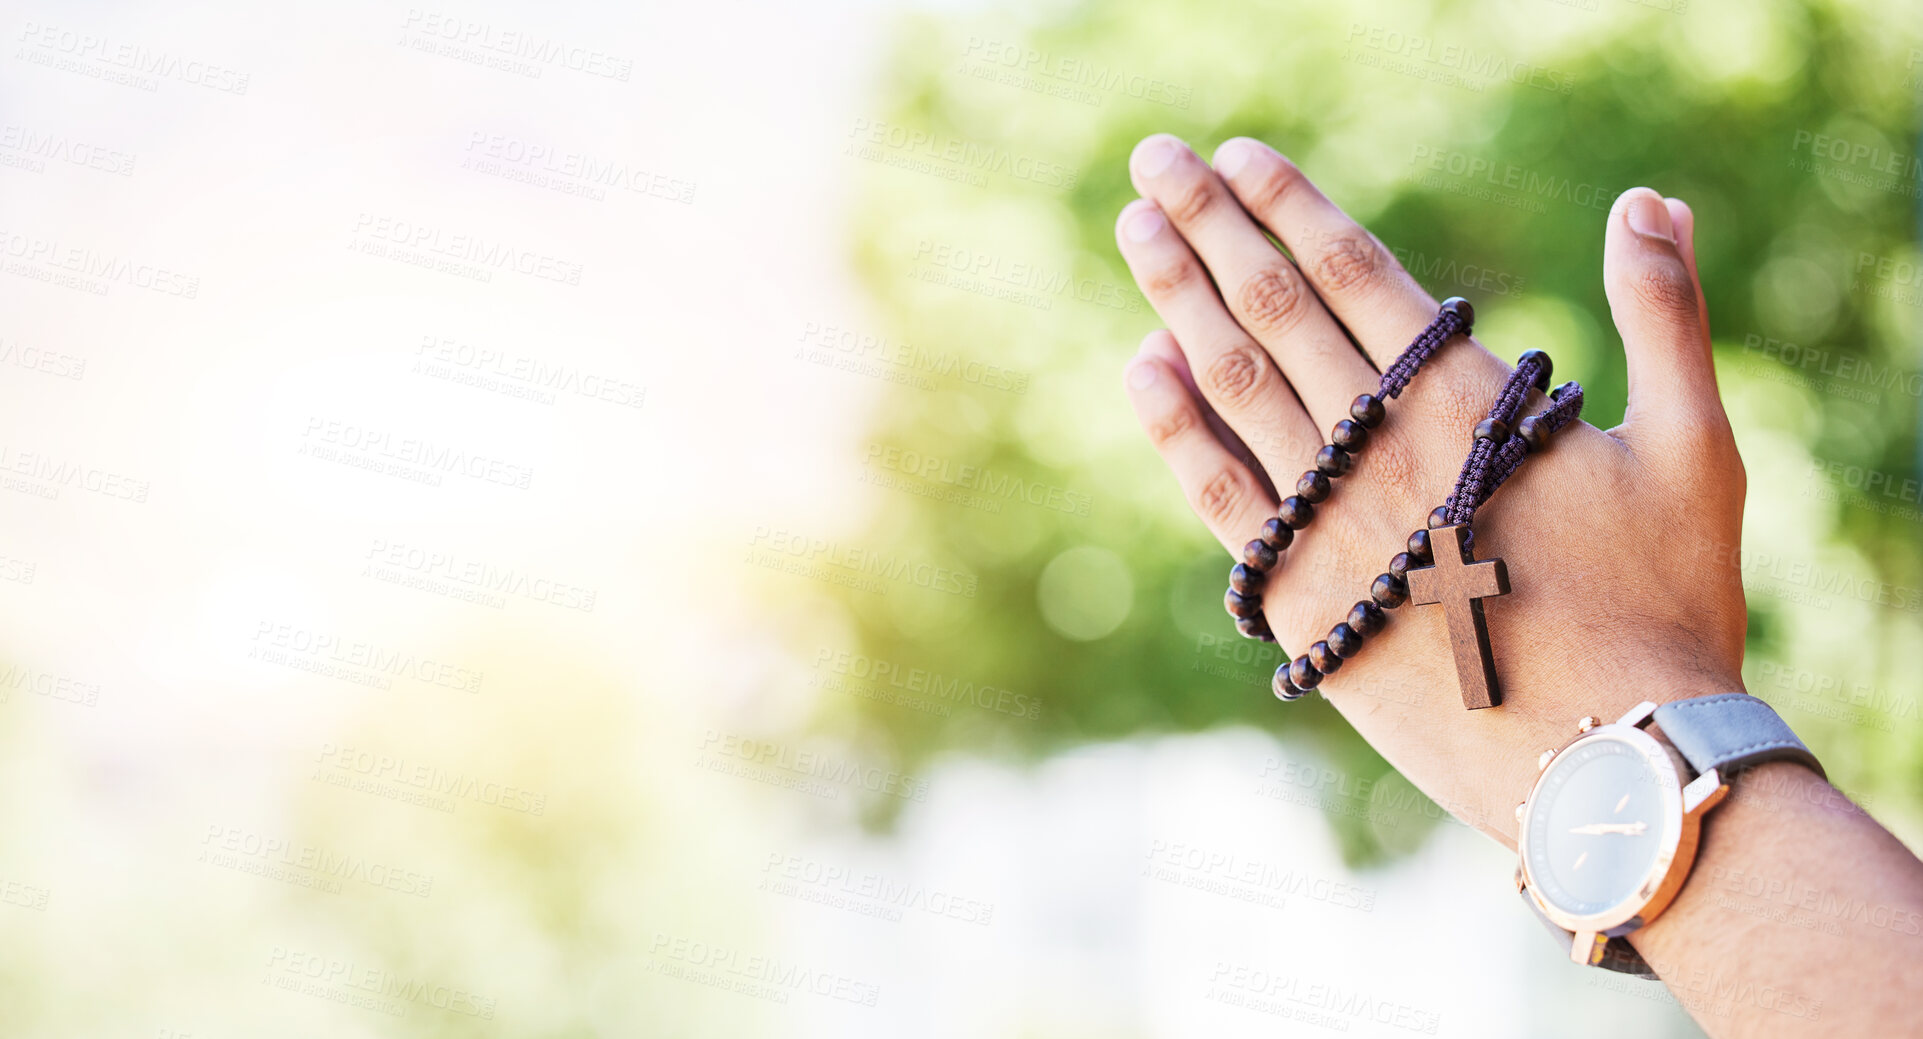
[1463, 500]
[1490, 463]
[1395, 378]
[1566, 405]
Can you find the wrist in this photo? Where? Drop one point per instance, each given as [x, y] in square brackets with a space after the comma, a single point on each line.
[1766, 805]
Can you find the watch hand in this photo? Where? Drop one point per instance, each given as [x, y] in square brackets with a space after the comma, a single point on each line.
[1626, 829]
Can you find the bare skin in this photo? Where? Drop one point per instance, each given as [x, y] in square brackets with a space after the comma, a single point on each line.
[1621, 547]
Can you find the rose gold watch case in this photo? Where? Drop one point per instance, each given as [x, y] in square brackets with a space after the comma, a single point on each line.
[1683, 808]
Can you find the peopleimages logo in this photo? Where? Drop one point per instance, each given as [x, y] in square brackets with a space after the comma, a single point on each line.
[988, 483]
[99, 55]
[537, 50]
[483, 254]
[1873, 157]
[1532, 184]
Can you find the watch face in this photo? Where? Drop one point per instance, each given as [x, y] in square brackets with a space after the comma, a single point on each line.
[1603, 822]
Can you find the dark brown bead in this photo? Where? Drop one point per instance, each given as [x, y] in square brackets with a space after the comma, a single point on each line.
[1349, 435]
[1247, 579]
[1276, 533]
[1258, 555]
[1389, 591]
[1240, 605]
[1324, 659]
[1313, 485]
[1366, 618]
[1542, 380]
[1400, 563]
[1492, 429]
[1303, 674]
[1296, 511]
[1439, 517]
[1534, 432]
[1256, 627]
[1282, 687]
[1368, 410]
[1463, 309]
[1345, 640]
[1333, 460]
[1419, 550]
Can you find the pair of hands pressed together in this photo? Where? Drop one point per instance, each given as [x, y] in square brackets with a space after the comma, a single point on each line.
[1620, 545]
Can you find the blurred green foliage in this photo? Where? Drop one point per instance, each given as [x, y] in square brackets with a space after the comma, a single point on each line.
[1483, 141]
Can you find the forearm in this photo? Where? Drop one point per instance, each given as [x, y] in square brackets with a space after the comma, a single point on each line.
[1803, 916]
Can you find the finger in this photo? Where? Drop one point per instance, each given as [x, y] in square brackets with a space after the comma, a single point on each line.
[1362, 284]
[1265, 292]
[1165, 347]
[1684, 220]
[1657, 306]
[1222, 490]
[1235, 375]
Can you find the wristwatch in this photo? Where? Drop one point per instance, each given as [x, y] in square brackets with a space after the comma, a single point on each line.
[1608, 833]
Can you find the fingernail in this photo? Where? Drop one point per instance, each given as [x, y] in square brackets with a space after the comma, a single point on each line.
[1144, 224]
[1155, 155]
[1650, 218]
[1141, 373]
[1232, 156]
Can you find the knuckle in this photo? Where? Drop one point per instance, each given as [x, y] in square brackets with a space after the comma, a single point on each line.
[1667, 289]
[1271, 190]
[1236, 376]
[1220, 499]
[1171, 425]
[1171, 280]
[1349, 261]
[1191, 200]
[1272, 300]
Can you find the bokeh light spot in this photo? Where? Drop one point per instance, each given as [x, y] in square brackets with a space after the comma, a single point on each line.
[1085, 593]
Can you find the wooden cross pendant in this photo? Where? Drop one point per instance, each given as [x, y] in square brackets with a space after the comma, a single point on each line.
[1459, 584]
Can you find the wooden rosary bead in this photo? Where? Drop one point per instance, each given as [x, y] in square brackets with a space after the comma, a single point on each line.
[1349, 435]
[1492, 429]
[1333, 460]
[1419, 550]
[1324, 659]
[1400, 563]
[1256, 627]
[1303, 673]
[1296, 511]
[1276, 533]
[1439, 517]
[1240, 605]
[1534, 432]
[1389, 591]
[1542, 381]
[1282, 687]
[1247, 579]
[1368, 410]
[1461, 307]
[1366, 618]
[1314, 486]
[1259, 556]
[1345, 640]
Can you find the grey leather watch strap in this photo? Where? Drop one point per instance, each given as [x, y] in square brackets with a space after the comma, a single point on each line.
[1730, 732]
[1618, 954]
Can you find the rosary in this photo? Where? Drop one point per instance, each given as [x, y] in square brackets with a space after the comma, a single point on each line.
[1438, 567]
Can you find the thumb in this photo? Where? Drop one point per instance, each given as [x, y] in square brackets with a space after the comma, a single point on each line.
[1649, 274]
